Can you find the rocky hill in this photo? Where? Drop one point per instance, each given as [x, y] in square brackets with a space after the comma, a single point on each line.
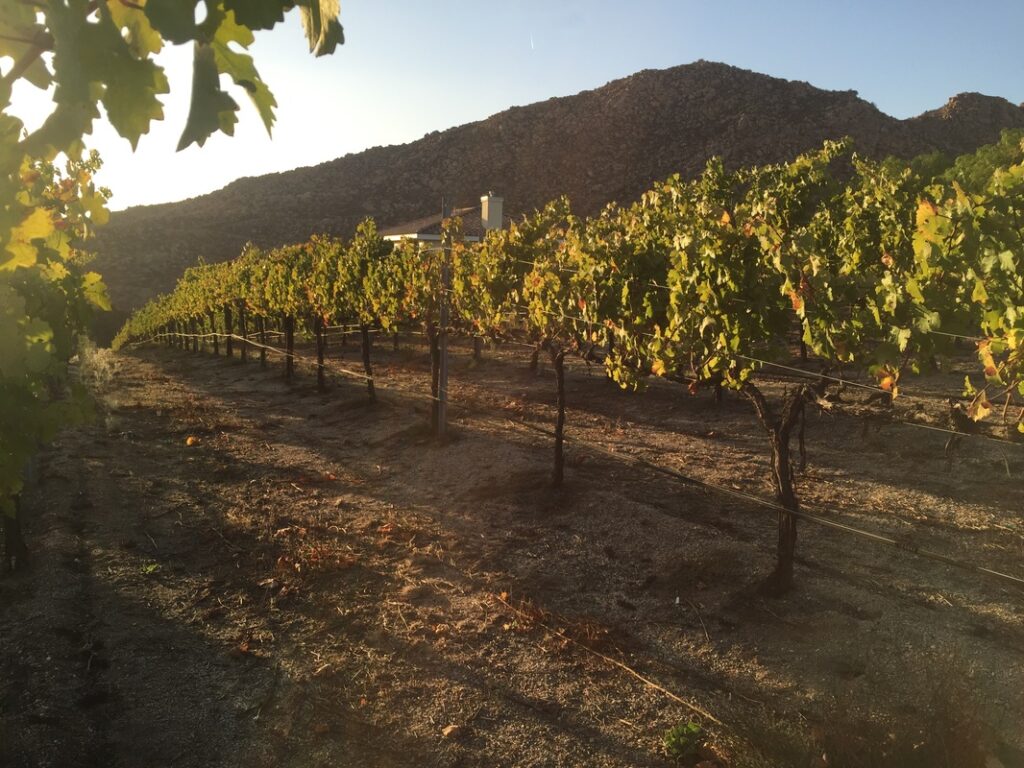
[606, 144]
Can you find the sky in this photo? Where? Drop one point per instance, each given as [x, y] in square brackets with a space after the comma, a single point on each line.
[409, 67]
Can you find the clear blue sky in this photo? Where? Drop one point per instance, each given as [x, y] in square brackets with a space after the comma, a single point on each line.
[410, 67]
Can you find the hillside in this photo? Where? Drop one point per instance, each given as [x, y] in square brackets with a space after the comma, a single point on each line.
[606, 144]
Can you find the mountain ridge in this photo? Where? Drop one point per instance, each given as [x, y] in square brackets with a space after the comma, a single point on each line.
[603, 144]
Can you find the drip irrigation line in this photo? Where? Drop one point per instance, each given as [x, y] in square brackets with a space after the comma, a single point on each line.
[525, 345]
[807, 374]
[328, 365]
[277, 350]
[991, 439]
[559, 315]
[800, 371]
[340, 334]
[918, 398]
[812, 375]
[570, 270]
[485, 338]
[591, 323]
[959, 336]
[813, 517]
[514, 342]
[683, 379]
[614, 662]
[567, 270]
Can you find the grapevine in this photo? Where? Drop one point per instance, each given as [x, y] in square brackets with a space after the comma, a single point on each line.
[93, 54]
[875, 265]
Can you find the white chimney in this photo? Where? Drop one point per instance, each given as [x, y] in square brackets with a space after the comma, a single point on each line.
[490, 211]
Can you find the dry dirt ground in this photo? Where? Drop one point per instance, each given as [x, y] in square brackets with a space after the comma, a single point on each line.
[313, 581]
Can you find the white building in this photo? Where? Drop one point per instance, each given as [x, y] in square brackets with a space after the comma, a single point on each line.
[476, 220]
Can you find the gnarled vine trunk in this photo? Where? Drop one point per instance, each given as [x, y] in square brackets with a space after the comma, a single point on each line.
[364, 331]
[261, 326]
[289, 338]
[321, 343]
[229, 330]
[801, 436]
[213, 330]
[779, 429]
[434, 341]
[558, 362]
[243, 331]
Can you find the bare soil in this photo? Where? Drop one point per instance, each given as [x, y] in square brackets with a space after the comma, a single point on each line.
[233, 571]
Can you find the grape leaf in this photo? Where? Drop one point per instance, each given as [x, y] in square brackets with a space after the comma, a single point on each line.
[980, 407]
[131, 97]
[95, 291]
[211, 109]
[142, 39]
[175, 20]
[323, 30]
[257, 14]
[240, 67]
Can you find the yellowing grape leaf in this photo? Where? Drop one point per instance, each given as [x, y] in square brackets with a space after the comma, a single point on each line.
[141, 37]
[320, 20]
[38, 224]
[925, 210]
[979, 408]
[95, 291]
[18, 255]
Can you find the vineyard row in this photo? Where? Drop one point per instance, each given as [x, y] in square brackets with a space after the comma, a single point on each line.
[858, 264]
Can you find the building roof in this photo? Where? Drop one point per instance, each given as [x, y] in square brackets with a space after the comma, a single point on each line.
[429, 227]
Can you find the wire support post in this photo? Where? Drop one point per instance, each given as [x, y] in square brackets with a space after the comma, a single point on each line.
[442, 384]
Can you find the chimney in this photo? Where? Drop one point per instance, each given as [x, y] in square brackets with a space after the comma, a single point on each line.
[490, 211]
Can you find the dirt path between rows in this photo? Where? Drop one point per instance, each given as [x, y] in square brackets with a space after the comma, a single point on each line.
[232, 571]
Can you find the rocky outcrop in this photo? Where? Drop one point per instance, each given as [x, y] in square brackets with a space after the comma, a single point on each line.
[607, 144]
